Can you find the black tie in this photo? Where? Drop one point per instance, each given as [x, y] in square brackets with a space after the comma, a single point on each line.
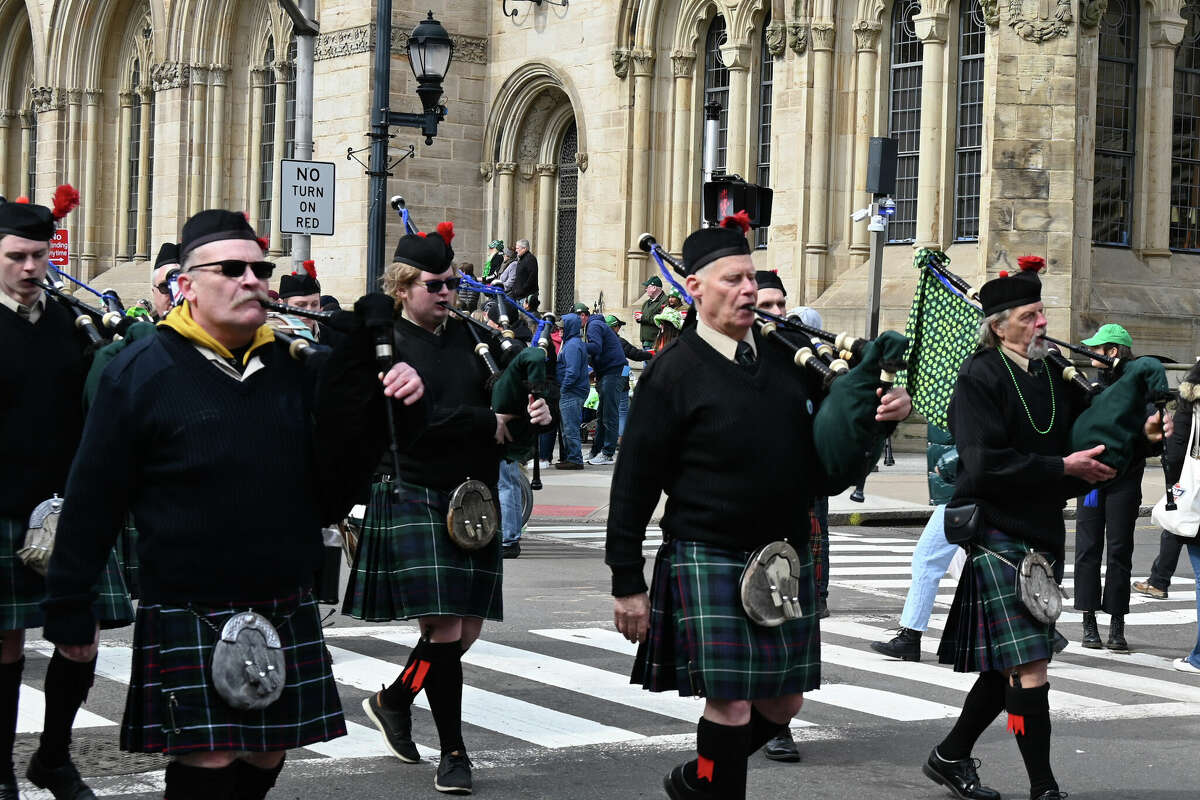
[24, 312]
[744, 356]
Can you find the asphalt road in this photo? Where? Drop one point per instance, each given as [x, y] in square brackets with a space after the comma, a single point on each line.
[550, 713]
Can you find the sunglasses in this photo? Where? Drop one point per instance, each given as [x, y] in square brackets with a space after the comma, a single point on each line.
[435, 286]
[236, 268]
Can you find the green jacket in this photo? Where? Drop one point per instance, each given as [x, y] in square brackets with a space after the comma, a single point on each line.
[649, 331]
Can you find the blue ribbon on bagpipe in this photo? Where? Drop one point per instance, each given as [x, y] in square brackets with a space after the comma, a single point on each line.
[497, 292]
[81, 284]
[662, 267]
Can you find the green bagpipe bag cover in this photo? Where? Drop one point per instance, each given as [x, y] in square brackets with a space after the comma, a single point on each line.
[847, 437]
[524, 375]
[105, 355]
[1117, 415]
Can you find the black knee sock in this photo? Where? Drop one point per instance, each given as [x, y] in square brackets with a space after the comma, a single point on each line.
[762, 730]
[251, 782]
[185, 782]
[67, 685]
[984, 703]
[1029, 720]
[443, 688]
[720, 766]
[405, 689]
[10, 691]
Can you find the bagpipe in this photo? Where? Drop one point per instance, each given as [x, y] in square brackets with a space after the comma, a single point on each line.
[100, 324]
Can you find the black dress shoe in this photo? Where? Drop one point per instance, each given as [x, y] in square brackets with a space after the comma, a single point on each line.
[396, 727]
[782, 747]
[63, 782]
[822, 608]
[905, 645]
[511, 550]
[1116, 635]
[8, 790]
[959, 777]
[1052, 794]
[678, 788]
[1091, 634]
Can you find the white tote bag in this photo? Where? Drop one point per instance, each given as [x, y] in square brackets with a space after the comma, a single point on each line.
[1185, 519]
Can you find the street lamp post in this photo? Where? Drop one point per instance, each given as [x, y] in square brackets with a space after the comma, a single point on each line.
[430, 51]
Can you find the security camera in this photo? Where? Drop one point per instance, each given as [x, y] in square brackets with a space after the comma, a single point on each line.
[397, 202]
[861, 214]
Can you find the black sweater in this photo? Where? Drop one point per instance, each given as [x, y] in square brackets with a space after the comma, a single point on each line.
[222, 477]
[459, 440]
[42, 369]
[1014, 473]
[732, 449]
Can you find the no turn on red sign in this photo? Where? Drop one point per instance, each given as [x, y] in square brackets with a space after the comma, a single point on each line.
[306, 197]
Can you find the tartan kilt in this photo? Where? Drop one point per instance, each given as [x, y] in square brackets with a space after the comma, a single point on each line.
[702, 643]
[172, 707]
[127, 557]
[407, 567]
[23, 589]
[988, 627]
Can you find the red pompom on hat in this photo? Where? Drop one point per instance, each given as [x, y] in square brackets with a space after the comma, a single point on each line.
[66, 200]
[310, 267]
[1031, 263]
[1003, 273]
[446, 231]
[739, 220]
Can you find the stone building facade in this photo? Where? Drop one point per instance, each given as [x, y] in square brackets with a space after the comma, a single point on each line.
[1069, 128]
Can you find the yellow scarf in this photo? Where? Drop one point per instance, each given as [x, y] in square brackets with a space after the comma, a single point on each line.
[180, 320]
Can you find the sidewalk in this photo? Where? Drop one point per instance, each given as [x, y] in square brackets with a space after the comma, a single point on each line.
[898, 494]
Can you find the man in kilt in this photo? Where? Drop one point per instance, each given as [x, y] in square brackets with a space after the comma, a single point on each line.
[699, 405]
[406, 565]
[42, 370]
[190, 430]
[1011, 417]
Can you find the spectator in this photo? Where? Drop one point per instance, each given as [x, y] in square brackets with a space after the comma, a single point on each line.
[607, 359]
[1191, 662]
[573, 385]
[656, 301]
[632, 353]
[507, 277]
[495, 260]
[1170, 545]
[670, 323]
[772, 296]
[525, 286]
[468, 299]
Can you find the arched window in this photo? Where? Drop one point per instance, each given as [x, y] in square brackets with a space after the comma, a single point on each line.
[31, 164]
[568, 199]
[1116, 101]
[267, 157]
[134, 154]
[904, 117]
[289, 121]
[1185, 144]
[716, 87]
[766, 80]
[968, 148]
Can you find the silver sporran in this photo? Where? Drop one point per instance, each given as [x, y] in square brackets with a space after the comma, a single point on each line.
[248, 668]
[39, 538]
[1037, 588]
[770, 585]
[472, 519]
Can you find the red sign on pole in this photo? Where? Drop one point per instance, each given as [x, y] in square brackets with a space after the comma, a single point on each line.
[60, 253]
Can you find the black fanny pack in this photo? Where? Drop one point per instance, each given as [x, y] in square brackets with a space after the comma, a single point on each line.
[964, 523]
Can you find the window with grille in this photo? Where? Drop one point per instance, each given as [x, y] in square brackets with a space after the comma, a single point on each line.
[31, 167]
[568, 199]
[766, 80]
[135, 144]
[266, 174]
[904, 117]
[1185, 144]
[716, 87]
[150, 173]
[1116, 101]
[289, 132]
[968, 148]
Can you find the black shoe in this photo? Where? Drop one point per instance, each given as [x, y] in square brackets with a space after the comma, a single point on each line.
[63, 782]
[8, 789]
[822, 608]
[906, 645]
[396, 727]
[454, 774]
[677, 787]
[568, 465]
[782, 747]
[1052, 794]
[1091, 634]
[511, 550]
[1060, 642]
[1116, 635]
[959, 777]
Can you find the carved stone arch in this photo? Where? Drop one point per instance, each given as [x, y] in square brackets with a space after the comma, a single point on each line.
[515, 95]
[627, 18]
[556, 128]
[869, 10]
[747, 19]
[15, 39]
[648, 23]
[133, 46]
[692, 23]
[38, 42]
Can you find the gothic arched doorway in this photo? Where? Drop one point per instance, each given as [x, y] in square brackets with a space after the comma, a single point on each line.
[568, 195]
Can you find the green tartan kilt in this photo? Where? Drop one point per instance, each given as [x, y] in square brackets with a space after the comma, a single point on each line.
[127, 557]
[407, 567]
[988, 627]
[702, 643]
[23, 589]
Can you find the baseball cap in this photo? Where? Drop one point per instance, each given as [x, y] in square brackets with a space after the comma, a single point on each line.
[581, 308]
[653, 280]
[612, 320]
[1110, 333]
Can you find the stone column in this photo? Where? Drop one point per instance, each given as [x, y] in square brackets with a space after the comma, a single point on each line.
[816, 246]
[504, 200]
[682, 159]
[196, 179]
[866, 42]
[930, 25]
[1166, 32]
[127, 100]
[145, 96]
[736, 55]
[6, 118]
[545, 232]
[72, 168]
[91, 191]
[258, 93]
[216, 157]
[281, 95]
[27, 118]
[641, 189]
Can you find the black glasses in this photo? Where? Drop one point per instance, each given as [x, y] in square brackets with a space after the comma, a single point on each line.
[435, 286]
[236, 268]
[163, 288]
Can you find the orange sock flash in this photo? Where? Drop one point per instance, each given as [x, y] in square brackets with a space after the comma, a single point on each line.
[1016, 724]
[704, 769]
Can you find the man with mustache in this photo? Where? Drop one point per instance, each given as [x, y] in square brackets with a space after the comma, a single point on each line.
[191, 429]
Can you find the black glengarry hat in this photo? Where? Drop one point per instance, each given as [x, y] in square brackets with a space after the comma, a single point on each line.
[769, 279]
[430, 252]
[34, 222]
[214, 225]
[1009, 291]
[168, 255]
[707, 245]
[300, 284]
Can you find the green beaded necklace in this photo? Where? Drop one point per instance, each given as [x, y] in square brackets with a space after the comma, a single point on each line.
[1016, 386]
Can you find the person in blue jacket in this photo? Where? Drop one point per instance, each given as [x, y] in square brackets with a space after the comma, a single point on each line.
[608, 360]
[573, 384]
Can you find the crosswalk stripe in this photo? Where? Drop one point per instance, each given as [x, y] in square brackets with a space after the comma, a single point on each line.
[361, 741]
[31, 713]
[483, 709]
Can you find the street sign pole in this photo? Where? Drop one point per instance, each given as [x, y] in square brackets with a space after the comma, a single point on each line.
[377, 165]
[303, 15]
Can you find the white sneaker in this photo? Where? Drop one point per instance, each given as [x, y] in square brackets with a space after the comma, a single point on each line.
[601, 460]
[1183, 665]
[544, 464]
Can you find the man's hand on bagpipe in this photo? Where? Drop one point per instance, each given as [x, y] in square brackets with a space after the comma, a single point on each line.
[1159, 426]
[894, 405]
[402, 383]
[539, 411]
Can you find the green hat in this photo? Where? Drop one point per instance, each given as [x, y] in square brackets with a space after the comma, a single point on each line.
[581, 308]
[653, 280]
[669, 316]
[497, 244]
[613, 320]
[1111, 333]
